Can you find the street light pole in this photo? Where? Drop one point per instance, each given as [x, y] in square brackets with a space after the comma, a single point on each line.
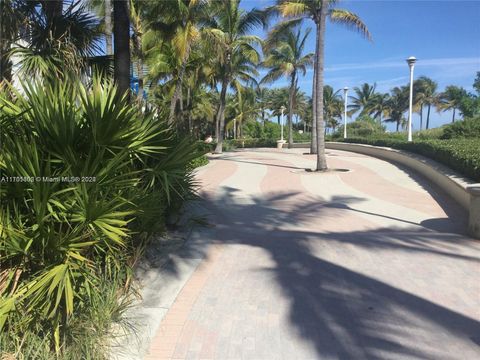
[345, 91]
[281, 131]
[411, 63]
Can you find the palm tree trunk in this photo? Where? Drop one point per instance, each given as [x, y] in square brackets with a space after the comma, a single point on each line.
[178, 86]
[138, 50]
[5, 64]
[221, 117]
[217, 125]
[181, 103]
[428, 117]
[121, 30]
[108, 27]
[140, 78]
[313, 128]
[319, 67]
[398, 125]
[421, 116]
[453, 116]
[190, 123]
[291, 97]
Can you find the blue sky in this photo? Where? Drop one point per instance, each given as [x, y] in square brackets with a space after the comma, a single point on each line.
[443, 35]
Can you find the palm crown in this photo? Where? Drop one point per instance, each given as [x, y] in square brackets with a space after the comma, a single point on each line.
[285, 58]
[318, 10]
[227, 33]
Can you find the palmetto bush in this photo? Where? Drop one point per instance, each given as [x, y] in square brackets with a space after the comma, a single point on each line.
[86, 178]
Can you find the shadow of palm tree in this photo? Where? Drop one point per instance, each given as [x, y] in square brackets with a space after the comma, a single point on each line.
[343, 313]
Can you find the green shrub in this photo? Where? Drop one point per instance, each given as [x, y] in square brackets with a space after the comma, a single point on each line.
[205, 148]
[430, 134]
[468, 128]
[364, 126]
[86, 179]
[232, 144]
[462, 155]
[303, 137]
[250, 143]
[253, 143]
[200, 161]
[271, 131]
[256, 130]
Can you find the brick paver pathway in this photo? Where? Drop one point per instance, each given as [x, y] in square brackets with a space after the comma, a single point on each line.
[365, 264]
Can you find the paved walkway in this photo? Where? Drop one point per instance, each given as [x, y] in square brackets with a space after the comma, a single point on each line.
[365, 264]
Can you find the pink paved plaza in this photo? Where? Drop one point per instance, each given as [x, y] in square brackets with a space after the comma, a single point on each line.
[366, 264]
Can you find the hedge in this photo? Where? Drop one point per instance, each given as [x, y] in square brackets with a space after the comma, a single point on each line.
[251, 143]
[468, 128]
[231, 144]
[462, 155]
[200, 161]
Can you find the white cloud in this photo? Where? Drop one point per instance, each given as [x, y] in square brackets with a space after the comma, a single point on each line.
[390, 63]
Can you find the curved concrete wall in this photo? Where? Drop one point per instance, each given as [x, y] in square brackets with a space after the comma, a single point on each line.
[464, 191]
[451, 182]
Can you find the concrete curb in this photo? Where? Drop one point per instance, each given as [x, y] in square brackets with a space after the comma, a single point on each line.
[158, 291]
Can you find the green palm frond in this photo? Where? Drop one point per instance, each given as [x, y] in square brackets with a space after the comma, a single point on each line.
[350, 20]
[292, 8]
[58, 236]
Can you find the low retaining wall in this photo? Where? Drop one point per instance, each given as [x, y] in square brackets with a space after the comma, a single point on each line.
[462, 190]
[298, 145]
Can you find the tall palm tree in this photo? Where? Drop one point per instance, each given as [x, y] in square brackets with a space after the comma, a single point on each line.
[121, 56]
[418, 98]
[378, 105]
[181, 23]
[305, 110]
[301, 104]
[198, 75]
[108, 27]
[318, 11]
[53, 44]
[285, 58]
[262, 100]
[451, 99]
[137, 24]
[332, 106]
[397, 105]
[363, 99]
[277, 98]
[163, 66]
[228, 34]
[245, 107]
[428, 95]
[200, 110]
[11, 20]
[476, 83]
[425, 95]
[103, 9]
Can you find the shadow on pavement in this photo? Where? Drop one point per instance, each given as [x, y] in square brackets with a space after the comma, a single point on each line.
[343, 313]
